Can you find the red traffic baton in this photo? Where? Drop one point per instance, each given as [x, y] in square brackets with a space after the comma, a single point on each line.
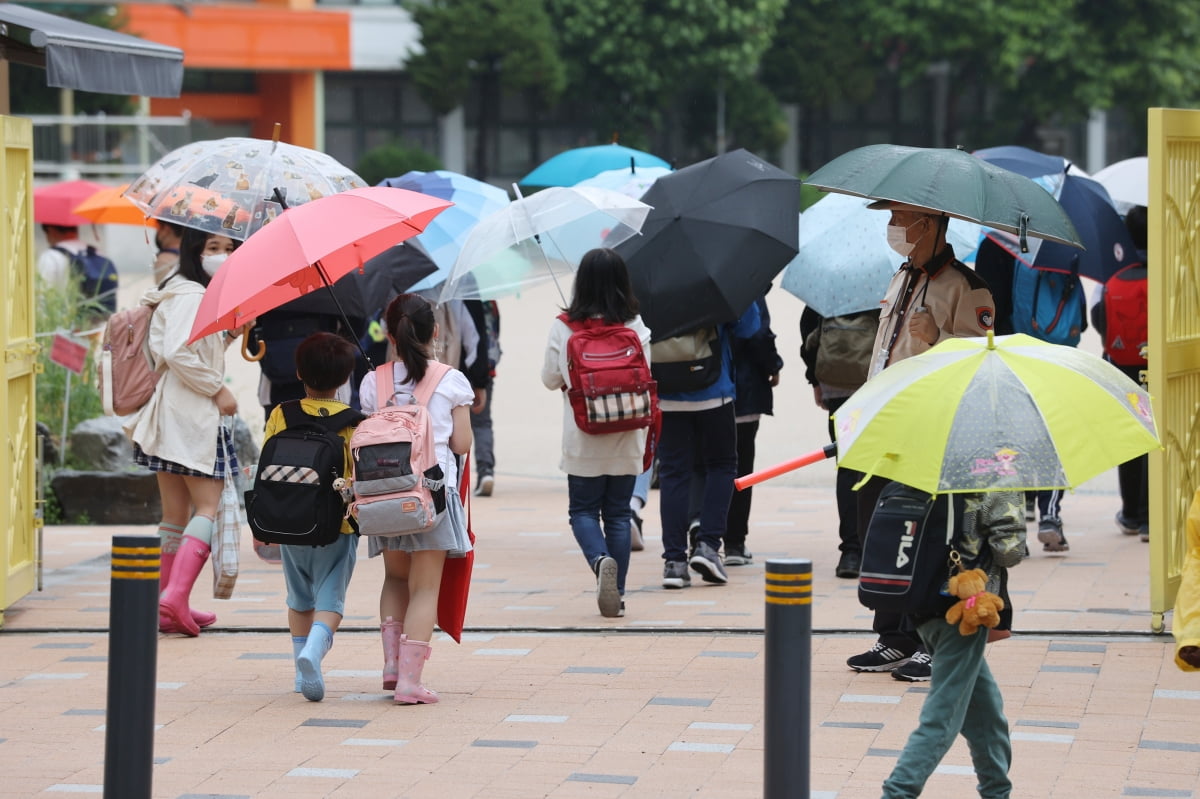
[754, 478]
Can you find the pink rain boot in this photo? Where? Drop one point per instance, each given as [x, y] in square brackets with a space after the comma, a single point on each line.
[409, 690]
[391, 631]
[165, 625]
[173, 604]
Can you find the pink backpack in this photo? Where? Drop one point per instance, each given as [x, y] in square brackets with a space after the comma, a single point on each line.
[127, 373]
[399, 487]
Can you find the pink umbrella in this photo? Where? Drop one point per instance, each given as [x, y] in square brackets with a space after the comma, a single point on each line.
[55, 204]
[308, 247]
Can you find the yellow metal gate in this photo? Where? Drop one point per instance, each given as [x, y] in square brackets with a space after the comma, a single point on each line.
[18, 524]
[1174, 342]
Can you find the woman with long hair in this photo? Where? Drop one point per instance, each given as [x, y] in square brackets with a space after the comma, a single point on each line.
[601, 468]
[413, 563]
[178, 434]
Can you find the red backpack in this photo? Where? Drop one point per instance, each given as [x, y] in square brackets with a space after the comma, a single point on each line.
[1125, 316]
[127, 373]
[611, 389]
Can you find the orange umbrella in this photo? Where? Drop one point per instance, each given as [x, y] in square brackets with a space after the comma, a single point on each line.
[109, 207]
[52, 205]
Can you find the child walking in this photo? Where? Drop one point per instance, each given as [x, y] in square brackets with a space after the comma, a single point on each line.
[317, 577]
[413, 563]
[963, 696]
[601, 468]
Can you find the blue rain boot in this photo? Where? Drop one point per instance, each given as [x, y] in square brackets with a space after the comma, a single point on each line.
[312, 685]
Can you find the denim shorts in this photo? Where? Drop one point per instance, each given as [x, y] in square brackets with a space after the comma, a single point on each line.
[317, 577]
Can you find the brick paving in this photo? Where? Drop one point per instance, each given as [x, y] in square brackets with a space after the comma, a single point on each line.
[544, 698]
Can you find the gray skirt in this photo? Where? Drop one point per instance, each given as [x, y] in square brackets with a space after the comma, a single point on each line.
[450, 534]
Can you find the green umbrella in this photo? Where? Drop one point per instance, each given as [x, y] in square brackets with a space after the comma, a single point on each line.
[952, 182]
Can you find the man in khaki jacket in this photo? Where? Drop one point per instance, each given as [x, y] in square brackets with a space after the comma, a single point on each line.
[933, 297]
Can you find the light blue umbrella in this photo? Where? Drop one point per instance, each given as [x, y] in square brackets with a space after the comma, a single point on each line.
[630, 182]
[569, 167]
[844, 263]
[444, 237]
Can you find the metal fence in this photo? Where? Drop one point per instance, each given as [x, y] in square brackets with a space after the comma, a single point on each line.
[96, 147]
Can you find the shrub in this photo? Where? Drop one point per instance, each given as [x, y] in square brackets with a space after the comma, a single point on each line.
[394, 159]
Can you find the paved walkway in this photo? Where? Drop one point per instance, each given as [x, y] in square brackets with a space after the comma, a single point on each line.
[546, 698]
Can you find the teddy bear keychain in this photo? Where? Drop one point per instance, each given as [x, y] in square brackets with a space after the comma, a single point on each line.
[975, 607]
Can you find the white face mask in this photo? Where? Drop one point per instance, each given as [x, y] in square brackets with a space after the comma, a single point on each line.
[211, 263]
[897, 239]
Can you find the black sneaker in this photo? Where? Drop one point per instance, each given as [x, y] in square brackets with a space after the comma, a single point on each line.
[919, 668]
[636, 542]
[1051, 535]
[707, 562]
[675, 574]
[485, 486]
[693, 531]
[878, 658]
[738, 556]
[1126, 526]
[848, 565]
[608, 598]
[1030, 509]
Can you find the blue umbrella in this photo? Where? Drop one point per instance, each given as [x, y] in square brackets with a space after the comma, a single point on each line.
[1108, 245]
[569, 167]
[442, 239]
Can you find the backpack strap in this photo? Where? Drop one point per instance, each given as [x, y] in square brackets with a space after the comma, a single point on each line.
[434, 372]
[294, 415]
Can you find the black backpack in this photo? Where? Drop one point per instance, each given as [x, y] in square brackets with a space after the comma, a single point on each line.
[686, 363]
[908, 553]
[97, 277]
[293, 500]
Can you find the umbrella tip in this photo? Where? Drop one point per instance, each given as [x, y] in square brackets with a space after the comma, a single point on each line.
[991, 338]
[276, 132]
[1023, 232]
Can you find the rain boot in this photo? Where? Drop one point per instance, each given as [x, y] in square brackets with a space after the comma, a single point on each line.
[409, 690]
[165, 625]
[312, 684]
[173, 604]
[391, 631]
[298, 642]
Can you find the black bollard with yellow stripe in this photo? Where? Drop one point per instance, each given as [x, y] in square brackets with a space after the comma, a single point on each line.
[132, 667]
[788, 683]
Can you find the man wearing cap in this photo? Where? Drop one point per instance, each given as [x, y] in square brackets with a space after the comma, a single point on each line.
[934, 296]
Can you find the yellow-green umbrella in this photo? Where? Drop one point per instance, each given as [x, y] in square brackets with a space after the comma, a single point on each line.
[992, 414]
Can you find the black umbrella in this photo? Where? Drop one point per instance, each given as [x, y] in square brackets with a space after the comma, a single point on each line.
[720, 231]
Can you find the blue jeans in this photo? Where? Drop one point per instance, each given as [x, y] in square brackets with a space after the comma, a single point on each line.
[606, 497]
[963, 698]
[641, 485]
[710, 436]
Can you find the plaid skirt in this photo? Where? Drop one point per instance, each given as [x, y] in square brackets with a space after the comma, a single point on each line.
[157, 464]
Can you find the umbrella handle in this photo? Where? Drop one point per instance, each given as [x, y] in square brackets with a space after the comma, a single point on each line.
[252, 356]
[742, 483]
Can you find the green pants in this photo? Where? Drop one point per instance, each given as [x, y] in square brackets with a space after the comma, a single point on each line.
[963, 698]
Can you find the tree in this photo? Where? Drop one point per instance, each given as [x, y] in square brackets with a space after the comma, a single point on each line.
[498, 44]
[635, 60]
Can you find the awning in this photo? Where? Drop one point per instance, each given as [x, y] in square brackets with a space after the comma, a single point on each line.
[89, 58]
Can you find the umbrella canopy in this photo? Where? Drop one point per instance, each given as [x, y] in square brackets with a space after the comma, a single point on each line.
[569, 167]
[443, 238]
[227, 186]
[1107, 244]
[952, 182]
[1127, 182]
[995, 413]
[309, 247]
[632, 182]
[844, 263]
[540, 238]
[720, 231]
[109, 206]
[55, 204]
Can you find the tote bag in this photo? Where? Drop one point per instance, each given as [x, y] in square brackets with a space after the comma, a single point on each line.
[227, 534]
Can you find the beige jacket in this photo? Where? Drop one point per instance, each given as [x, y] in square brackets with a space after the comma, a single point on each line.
[959, 300]
[180, 422]
[584, 454]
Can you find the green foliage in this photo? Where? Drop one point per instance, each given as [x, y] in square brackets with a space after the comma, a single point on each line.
[61, 309]
[392, 160]
[465, 39]
[632, 58]
[753, 119]
[820, 54]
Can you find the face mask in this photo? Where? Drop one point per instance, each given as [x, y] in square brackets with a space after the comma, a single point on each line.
[212, 263]
[897, 238]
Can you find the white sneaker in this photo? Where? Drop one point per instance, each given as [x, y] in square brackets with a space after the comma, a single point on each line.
[486, 483]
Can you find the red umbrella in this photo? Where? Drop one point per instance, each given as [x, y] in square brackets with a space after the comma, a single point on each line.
[309, 247]
[456, 574]
[55, 204]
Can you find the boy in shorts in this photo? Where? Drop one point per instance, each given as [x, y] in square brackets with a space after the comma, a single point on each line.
[317, 577]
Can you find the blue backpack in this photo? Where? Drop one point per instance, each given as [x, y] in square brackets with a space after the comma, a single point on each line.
[97, 277]
[1048, 305]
